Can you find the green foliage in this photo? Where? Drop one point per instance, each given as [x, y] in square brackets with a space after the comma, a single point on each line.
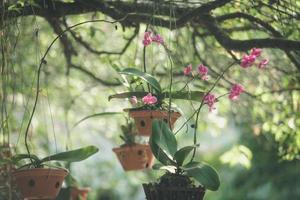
[204, 174]
[154, 87]
[72, 156]
[67, 156]
[164, 147]
[128, 135]
[184, 95]
[149, 79]
[181, 155]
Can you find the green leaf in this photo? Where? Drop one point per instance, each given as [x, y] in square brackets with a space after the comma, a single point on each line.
[185, 95]
[205, 175]
[181, 155]
[124, 95]
[192, 95]
[159, 154]
[144, 76]
[163, 137]
[73, 156]
[20, 157]
[96, 115]
[192, 164]
[170, 168]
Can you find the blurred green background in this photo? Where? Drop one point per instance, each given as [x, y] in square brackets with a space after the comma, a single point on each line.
[254, 143]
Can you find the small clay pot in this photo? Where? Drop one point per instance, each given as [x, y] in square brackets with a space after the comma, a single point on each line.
[143, 119]
[39, 183]
[173, 187]
[135, 157]
[79, 193]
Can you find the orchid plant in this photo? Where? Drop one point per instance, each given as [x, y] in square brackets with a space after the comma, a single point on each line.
[128, 136]
[36, 162]
[165, 148]
[237, 89]
[154, 98]
[163, 142]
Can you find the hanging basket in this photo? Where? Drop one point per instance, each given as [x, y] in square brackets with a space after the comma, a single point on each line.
[39, 183]
[178, 187]
[143, 119]
[135, 157]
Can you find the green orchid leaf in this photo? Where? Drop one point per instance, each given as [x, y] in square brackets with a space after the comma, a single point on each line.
[159, 154]
[185, 95]
[169, 168]
[17, 158]
[191, 164]
[124, 95]
[103, 114]
[205, 175]
[181, 155]
[73, 155]
[163, 137]
[144, 76]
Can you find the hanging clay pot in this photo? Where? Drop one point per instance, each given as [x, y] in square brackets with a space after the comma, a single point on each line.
[175, 187]
[135, 157]
[79, 193]
[143, 119]
[39, 183]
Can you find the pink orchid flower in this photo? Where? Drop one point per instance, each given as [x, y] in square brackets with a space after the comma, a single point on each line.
[248, 61]
[210, 100]
[236, 91]
[256, 52]
[147, 38]
[187, 70]
[133, 100]
[203, 71]
[262, 64]
[149, 99]
[158, 39]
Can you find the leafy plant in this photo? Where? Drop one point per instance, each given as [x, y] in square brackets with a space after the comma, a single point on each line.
[164, 147]
[128, 133]
[154, 88]
[66, 156]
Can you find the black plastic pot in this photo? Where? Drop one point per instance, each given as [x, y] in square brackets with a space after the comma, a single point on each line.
[173, 187]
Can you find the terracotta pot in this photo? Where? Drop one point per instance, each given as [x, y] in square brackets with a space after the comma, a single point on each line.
[39, 183]
[135, 157]
[143, 119]
[79, 193]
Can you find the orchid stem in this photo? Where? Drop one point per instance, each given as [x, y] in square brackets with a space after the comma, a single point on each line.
[202, 103]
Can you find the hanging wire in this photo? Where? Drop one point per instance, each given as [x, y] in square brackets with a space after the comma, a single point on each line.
[52, 121]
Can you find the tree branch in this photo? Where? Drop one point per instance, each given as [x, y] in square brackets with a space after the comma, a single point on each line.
[98, 52]
[260, 22]
[90, 74]
[231, 44]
